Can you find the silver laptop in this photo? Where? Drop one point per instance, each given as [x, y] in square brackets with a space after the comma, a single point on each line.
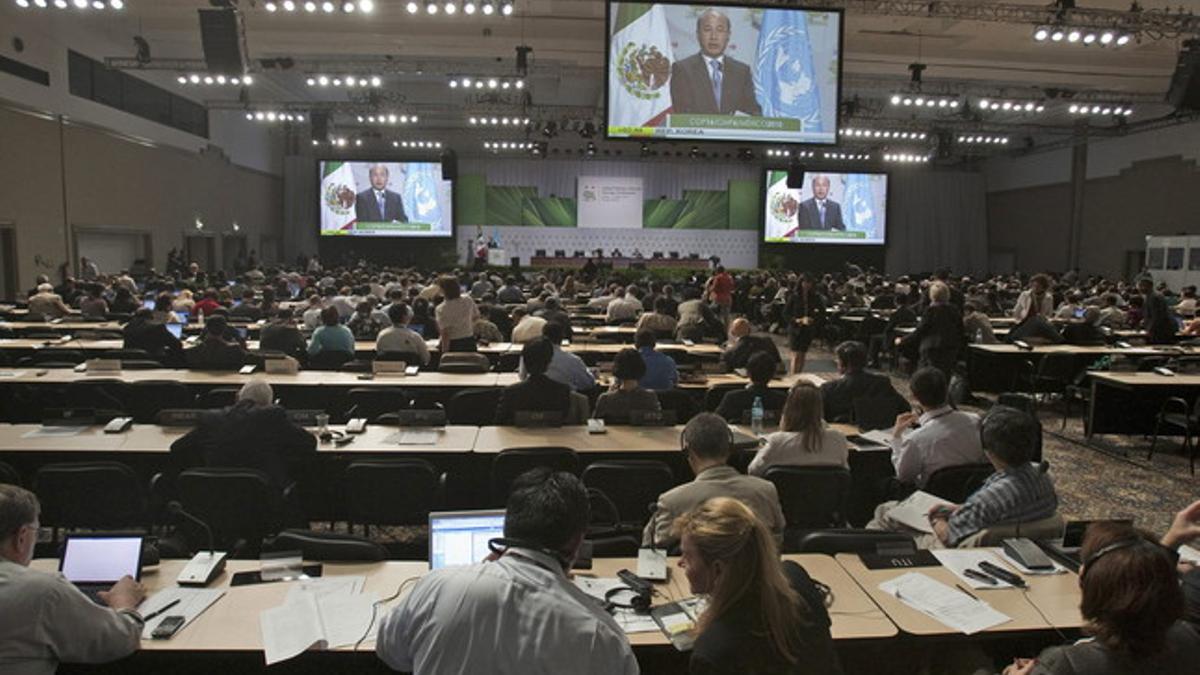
[461, 537]
[94, 562]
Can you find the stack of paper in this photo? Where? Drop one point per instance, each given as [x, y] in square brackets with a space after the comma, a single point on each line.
[321, 614]
[948, 605]
[957, 560]
[914, 511]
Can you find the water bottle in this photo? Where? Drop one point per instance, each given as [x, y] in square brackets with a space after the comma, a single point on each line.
[756, 416]
[978, 336]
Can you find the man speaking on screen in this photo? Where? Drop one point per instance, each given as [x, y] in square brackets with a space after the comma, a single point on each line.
[377, 204]
[710, 82]
[819, 212]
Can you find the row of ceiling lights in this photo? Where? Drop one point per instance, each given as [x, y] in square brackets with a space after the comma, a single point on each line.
[349, 81]
[392, 118]
[77, 4]
[486, 83]
[349, 7]
[214, 80]
[1081, 36]
[469, 7]
[272, 116]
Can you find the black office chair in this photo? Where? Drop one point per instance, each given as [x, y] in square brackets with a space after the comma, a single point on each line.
[217, 397]
[464, 362]
[329, 360]
[473, 407]
[148, 397]
[53, 358]
[326, 546]
[681, 402]
[9, 475]
[1054, 372]
[812, 497]
[878, 412]
[372, 402]
[100, 394]
[240, 505]
[1175, 416]
[392, 492]
[714, 395]
[956, 483]
[632, 486]
[513, 462]
[833, 541]
[128, 354]
[89, 495]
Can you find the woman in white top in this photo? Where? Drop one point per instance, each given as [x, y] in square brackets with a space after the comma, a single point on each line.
[456, 317]
[803, 438]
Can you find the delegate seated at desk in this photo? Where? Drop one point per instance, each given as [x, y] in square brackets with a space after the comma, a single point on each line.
[536, 392]
[44, 619]
[517, 612]
[944, 436]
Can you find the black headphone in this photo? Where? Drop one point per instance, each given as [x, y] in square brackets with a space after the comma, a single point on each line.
[640, 602]
[1123, 544]
[500, 546]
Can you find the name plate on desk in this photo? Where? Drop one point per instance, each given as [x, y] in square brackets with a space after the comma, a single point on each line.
[103, 366]
[285, 366]
[389, 368]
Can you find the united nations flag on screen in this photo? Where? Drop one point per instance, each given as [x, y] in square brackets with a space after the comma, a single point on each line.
[859, 201]
[421, 192]
[783, 71]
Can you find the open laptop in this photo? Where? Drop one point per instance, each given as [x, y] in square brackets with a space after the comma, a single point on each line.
[1066, 550]
[175, 329]
[461, 537]
[94, 562]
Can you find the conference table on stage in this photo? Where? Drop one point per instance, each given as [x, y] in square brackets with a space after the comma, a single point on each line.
[862, 616]
[577, 262]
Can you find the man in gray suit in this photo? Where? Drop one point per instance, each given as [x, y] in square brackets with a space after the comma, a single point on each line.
[711, 82]
[820, 212]
[707, 443]
[377, 204]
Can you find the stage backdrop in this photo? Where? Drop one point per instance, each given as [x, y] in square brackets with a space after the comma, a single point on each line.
[610, 201]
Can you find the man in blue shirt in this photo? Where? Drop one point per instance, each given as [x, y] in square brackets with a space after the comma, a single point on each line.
[661, 372]
[564, 366]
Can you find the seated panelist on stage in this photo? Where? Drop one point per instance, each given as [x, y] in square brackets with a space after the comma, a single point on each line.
[711, 82]
[378, 204]
[707, 443]
[517, 611]
[763, 615]
[44, 619]
[253, 433]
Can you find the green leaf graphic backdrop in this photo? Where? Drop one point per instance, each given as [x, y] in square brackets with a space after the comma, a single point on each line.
[521, 206]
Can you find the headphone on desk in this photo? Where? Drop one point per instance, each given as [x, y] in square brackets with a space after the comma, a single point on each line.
[500, 545]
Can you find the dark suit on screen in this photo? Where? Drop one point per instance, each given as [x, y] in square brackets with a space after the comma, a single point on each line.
[692, 90]
[810, 216]
[366, 208]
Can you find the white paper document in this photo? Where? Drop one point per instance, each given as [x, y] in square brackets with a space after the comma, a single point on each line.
[914, 511]
[629, 620]
[948, 605]
[1189, 554]
[880, 436]
[308, 620]
[192, 603]
[415, 437]
[323, 587]
[957, 560]
[54, 432]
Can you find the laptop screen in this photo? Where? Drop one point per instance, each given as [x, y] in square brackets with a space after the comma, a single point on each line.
[461, 537]
[101, 560]
[148, 303]
[175, 329]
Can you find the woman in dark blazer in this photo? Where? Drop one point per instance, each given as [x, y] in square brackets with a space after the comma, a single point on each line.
[805, 313]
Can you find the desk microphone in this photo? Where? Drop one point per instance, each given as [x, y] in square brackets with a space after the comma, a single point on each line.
[205, 565]
[652, 561]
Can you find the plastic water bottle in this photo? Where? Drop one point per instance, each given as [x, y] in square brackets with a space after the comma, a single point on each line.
[756, 416]
[978, 336]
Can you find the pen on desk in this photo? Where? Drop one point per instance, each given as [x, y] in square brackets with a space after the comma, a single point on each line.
[160, 610]
[979, 576]
[969, 593]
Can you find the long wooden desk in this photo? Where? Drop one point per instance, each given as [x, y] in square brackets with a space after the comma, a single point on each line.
[994, 367]
[1128, 403]
[1055, 596]
[142, 439]
[304, 378]
[232, 623]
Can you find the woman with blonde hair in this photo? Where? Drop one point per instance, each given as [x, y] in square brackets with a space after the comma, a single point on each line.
[763, 616]
[803, 438]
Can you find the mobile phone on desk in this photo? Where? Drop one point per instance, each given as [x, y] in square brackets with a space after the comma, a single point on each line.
[168, 627]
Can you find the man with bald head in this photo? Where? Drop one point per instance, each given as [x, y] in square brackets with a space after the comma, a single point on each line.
[378, 204]
[710, 82]
[819, 212]
[743, 344]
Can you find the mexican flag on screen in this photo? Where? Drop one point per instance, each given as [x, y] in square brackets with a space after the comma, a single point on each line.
[640, 58]
[337, 197]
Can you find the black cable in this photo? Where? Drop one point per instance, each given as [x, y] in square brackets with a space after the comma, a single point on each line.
[375, 609]
[1061, 635]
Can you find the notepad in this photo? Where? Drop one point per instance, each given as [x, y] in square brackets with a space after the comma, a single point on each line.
[192, 603]
[950, 606]
[312, 621]
[914, 511]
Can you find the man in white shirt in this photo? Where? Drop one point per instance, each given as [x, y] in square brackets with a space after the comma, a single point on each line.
[946, 437]
[626, 308]
[399, 337]
[1035, 300]
[516, 612]
[526, 327]
[312, 315]
[44, 619]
